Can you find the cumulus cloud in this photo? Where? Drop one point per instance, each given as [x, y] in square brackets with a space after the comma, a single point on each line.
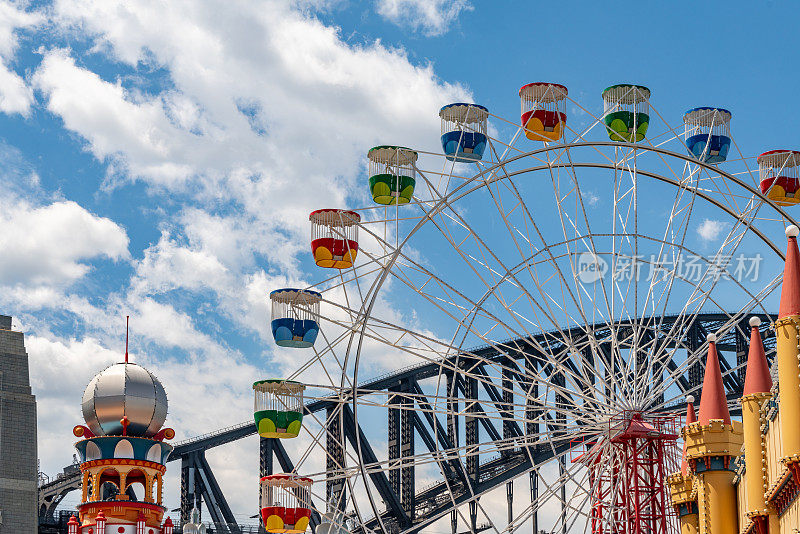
[15, 95]
[709, 230]
[115, 123]
[432, 17]
[51, 244]
[264, 106]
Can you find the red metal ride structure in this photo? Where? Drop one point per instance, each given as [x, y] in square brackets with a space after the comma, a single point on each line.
[628, 467]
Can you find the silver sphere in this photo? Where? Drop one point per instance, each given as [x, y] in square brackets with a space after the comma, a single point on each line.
[124, 390]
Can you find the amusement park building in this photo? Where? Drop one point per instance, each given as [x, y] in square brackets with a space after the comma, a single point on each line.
[744, 477]
[123, 451]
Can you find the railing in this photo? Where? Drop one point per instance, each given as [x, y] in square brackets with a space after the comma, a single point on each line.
[212, 528]
[217, 432]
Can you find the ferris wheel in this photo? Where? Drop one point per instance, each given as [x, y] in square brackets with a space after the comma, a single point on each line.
[533, 303]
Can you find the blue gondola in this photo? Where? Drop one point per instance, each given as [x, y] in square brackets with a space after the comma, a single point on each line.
[295, 314]
[464, 131]
[708, 133]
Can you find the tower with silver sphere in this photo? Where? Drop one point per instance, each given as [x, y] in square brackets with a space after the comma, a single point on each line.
[123, 453]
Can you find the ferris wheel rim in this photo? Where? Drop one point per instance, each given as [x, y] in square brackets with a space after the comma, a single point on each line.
[635, 146]
[457, 193]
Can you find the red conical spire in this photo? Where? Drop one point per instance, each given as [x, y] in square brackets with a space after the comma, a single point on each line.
[757, 379]
[790, 292]
[713, 404]
[72, 525]
[690, 418]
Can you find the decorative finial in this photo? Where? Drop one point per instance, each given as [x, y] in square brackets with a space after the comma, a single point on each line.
[127, 323]
[689, 399]
[711, 338]
[124, 422]
[792, 231]
[755, 321]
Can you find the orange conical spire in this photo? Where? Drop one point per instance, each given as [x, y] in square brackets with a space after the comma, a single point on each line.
[690, 418]
[757, 379]
[790, 293]
[713, 404]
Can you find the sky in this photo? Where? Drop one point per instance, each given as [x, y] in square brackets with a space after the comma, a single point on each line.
[159, 160]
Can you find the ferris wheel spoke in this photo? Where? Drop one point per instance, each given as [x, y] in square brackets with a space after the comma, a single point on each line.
[432, 343]
[533, 276]
[711, 276]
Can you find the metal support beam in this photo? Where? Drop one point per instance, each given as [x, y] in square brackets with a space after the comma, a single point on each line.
[446, 467]
[510, 500]
[510, 427]
[693, 344]
[534, 484]
[190, 494]
[589, 375]
[335, 496]
[394, 440]
[473, 516]
[454, 468]
[264, 468]
[502, 402]
[407, 472]
[452, 409]
[741, 350]
[561, 421]
[362, 447]
[532, 415]
[265, 446]
[471, 428]
[217, 506]
[562, 469]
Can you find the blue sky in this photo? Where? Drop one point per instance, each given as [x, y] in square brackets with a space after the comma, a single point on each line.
[160, 161]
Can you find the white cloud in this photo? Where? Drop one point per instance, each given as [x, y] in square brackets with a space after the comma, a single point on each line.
[709, 230]
[268, 112]
[432, 17]
[112, 121]
[15, 95]
[591, 197]
[263, 96]
[52, 243]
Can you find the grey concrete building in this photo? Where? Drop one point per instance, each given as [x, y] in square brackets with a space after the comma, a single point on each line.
[18, 459]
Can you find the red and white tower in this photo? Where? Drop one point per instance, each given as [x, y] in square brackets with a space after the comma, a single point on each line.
[628, 467]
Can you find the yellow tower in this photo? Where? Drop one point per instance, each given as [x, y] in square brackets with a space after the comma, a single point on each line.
[787, 331]
[757, 386]
[681, 487]
[711, 445]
